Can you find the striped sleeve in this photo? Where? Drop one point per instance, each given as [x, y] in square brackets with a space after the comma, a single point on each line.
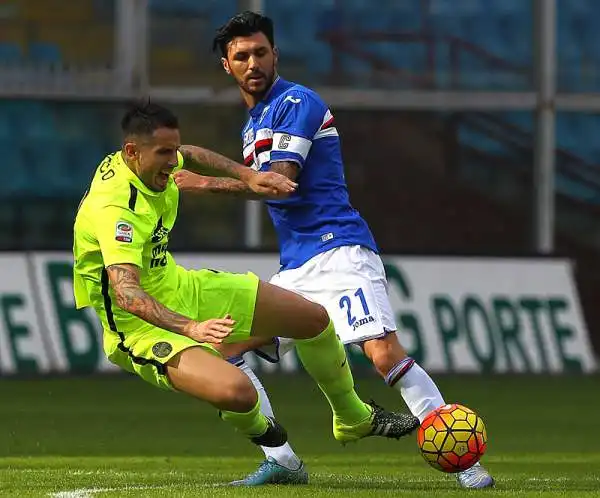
[297, 120]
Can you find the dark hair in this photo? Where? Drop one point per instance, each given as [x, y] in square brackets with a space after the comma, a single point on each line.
[143, 118]
[244, 24]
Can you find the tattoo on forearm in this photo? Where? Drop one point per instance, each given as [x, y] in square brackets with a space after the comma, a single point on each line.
[231, 186]
[205, 161]
[131, 297]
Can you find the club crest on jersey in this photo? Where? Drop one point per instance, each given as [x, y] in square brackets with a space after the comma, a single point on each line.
[162, 349]
[124, 232]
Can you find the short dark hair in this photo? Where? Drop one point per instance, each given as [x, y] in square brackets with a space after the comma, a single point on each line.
[244, 24]
[143, 118]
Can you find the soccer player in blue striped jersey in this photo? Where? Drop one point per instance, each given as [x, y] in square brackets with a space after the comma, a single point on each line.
[327, 252]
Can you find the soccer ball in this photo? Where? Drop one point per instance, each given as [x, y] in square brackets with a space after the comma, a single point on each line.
[452, 438]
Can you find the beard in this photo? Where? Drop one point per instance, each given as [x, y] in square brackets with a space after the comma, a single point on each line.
[258, 91]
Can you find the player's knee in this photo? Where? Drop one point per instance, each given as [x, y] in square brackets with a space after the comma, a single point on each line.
[237, 394]
[318, 320]
[384, 353]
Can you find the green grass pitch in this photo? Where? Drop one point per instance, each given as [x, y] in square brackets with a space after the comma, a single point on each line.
[116, 436]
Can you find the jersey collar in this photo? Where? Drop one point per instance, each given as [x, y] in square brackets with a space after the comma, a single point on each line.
[277, 88]
[132, 177]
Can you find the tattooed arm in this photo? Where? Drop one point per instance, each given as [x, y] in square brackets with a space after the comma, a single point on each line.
[207, 162]
[190, 182]
[198, 184]
[125, 282]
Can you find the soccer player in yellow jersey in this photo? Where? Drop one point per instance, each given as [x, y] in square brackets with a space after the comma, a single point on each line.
[167, 324]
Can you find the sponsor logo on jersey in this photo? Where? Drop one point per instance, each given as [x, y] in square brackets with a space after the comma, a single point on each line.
[124, 232]
[248, 137]
[362, 321]
[160, 232]
[291, 99]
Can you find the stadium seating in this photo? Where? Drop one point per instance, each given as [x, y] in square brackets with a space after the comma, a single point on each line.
[218, 11]
[502, 28]
[577, 149]
[496, 28]
[10, 53]
[51, 149]
[45, 53]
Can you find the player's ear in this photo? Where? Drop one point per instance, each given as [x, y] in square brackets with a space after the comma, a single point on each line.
[276, 54]
[225, 63]
[130, 150]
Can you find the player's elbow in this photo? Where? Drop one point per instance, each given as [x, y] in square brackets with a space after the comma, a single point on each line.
[125, 300]
[122, 302]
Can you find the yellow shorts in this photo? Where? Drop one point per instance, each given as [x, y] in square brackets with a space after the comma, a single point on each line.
[207, 294]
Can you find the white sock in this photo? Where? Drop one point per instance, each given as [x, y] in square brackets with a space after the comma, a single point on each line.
[283, 455]
[418, 390]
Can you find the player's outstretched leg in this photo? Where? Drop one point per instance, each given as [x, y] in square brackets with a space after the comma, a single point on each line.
[419, 392]
[281, 464]
[205, 376]
[281, 312]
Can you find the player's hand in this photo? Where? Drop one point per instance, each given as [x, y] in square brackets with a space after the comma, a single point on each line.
[213, 331]
[271, 184]
[187, 181]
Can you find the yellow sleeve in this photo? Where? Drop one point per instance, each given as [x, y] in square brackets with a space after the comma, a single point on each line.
[122, 235]
[80, 291]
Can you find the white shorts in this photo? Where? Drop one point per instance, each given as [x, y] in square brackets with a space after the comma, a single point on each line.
[350, 283]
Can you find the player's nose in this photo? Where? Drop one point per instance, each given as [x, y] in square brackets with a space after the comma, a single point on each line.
[173, 162]
[252, 62]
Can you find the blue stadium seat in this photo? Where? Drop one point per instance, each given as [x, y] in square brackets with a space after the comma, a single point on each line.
[592, 125]
[6, 126]
[511, 7]
[578, 7]
[578, 134]
[367, 19]
[179, 8]
[17, 177]
[443, 18]
[577, 189]
[217, 11]
[81, 165]
[36, 120]
[569, 131]
[468, 7]
[405, 20]
[296, 30]
[10, 53]
[50, 169]
[46, 53]
[220, 11]
[521, 119]
[513, 34]
[472, 138]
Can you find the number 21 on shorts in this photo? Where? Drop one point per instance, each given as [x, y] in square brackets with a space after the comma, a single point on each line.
[346, 303]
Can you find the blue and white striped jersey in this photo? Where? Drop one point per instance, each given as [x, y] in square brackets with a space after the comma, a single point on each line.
[292, 123]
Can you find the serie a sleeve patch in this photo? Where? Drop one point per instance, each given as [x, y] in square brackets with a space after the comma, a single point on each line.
[124, 232]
